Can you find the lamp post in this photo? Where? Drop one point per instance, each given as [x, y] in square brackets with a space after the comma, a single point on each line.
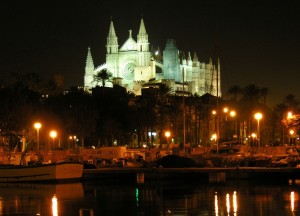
[224, 125]
[53, 134]
[231, 113]
[291, 137]
[37, 126]
[72, 138]
[214, 113]
[167, 134]
[258, 117]
[253, 135]
[215, 137]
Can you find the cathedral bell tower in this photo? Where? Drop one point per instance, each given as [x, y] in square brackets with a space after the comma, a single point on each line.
[112, 50]
[144, 56]
[89, 69]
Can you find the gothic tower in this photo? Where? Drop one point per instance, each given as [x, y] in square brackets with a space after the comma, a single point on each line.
[89, 69]
[112, 50]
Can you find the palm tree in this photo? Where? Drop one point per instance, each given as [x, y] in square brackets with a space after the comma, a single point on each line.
[163, 92]
[102, 76]
[291, 102]
[234, 90]
[250, 100]
[264, 92]
[251, 93]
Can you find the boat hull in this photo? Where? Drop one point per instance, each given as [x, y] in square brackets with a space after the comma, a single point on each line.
[132, 164]
[43, 172]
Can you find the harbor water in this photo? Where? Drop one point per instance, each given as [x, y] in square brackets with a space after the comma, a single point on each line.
[171, 197]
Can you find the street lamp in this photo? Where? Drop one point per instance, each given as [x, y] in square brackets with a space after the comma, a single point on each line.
[231, 113]
[72, 138]
[253, 135]
[37, 126]
[291, 138]
[53, 134]
[258, 117]
[214, 113]
[167, 134]
[214, 137]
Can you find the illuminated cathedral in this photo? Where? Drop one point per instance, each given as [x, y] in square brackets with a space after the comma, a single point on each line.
[134, 66]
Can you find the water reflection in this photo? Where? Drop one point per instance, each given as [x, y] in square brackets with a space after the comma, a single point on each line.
[152, 198]
[216, 204]
[36, 199]
[292, 200]
[54, 206]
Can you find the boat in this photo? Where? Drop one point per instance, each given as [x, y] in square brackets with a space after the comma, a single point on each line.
[134, 164]
[60, 171]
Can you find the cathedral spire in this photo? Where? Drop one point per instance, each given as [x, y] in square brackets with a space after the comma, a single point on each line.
[142, 30]
[142, 38]
[143, 46]
[89, 60]
[189, 56]
[112, 45]
[112, 32]
[195, 59]
[189, 59]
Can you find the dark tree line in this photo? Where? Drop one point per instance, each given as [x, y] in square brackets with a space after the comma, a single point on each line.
[113, 116]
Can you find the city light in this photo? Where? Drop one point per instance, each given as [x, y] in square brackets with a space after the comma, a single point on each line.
[37, 126]
[53, 134]
[167, 134]
[258, 117]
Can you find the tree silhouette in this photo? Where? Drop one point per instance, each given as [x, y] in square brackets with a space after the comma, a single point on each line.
[102, 76]
[234, 90]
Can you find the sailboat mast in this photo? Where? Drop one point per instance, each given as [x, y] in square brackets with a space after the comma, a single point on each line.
[183, 108]
[216, 61]
[218, 111]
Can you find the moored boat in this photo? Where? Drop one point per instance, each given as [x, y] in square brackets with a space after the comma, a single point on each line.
[41, 172]
[134, 164]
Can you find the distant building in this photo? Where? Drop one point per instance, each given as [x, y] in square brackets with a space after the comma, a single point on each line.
[133, 66]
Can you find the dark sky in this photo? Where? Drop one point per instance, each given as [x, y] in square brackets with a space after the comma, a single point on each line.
[258, 41]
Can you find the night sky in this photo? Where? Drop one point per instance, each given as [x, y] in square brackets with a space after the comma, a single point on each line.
[258, 41]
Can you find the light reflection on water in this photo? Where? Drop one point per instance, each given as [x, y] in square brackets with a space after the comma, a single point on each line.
[233, 198]
[54, 206]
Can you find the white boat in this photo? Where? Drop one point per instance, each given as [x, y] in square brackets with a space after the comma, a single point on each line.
[42, 172]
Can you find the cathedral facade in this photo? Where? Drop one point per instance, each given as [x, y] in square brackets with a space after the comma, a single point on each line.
[134, 66]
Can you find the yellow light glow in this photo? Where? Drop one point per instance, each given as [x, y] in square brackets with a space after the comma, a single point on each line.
[214, 136]
[228, 204]
[232, 113]
[235, 204]
[292, 196]
[216, 204]
[225, 110]
[258, 116]
[54, 206]
[53, 134]
[37, 125]
[167, 134]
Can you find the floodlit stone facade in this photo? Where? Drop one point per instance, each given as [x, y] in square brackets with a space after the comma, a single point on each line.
[133, 65]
